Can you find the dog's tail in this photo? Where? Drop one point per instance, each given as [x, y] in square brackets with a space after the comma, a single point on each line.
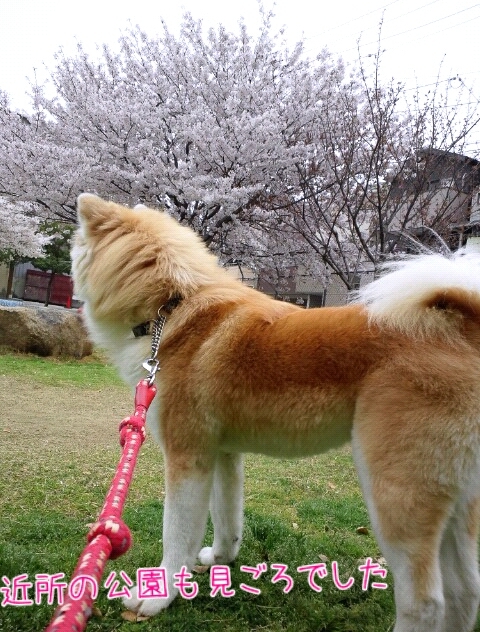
[426, 295]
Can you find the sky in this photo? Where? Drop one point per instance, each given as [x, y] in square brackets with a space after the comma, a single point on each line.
[422, 40]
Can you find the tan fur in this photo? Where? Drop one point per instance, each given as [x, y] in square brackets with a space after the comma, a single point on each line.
[473, 523]
[244, 373]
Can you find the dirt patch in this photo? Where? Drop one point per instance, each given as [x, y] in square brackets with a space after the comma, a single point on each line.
[46, 417]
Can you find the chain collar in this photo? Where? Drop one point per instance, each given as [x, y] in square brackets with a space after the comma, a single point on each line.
[146, 328]
[151, 364]
[155, 328]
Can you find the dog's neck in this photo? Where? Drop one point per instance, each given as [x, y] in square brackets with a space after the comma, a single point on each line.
[145, 329]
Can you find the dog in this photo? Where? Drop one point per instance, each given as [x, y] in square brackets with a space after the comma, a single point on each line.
[397, 372]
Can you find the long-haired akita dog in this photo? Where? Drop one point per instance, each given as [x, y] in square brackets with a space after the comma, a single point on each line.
[397, 373]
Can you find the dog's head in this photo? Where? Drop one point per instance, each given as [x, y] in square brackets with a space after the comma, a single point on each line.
[127, 263]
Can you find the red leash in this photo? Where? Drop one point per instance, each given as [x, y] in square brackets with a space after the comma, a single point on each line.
[109, 537]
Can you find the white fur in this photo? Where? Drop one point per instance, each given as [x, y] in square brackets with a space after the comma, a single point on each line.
[226, 509]
[397, 299]
[413, 615]
[185, 517]
[458, 557]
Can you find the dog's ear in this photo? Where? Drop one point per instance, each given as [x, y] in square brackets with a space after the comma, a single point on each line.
[93, 212]
[89, 206]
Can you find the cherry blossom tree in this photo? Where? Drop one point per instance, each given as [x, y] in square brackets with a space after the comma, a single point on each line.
[205, 125]
[277, 160]
[19, 231]
[388, 176]
[20, 236]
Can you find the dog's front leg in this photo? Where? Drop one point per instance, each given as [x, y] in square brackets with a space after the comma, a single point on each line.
[188, 483]
[226, 509]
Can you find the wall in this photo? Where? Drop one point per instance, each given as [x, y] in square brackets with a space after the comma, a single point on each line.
[3, 280]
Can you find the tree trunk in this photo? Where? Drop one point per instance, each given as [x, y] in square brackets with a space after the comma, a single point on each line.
[11, 270]
[49, 290]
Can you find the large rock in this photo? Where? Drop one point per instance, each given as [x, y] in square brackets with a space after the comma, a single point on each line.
[45, 331]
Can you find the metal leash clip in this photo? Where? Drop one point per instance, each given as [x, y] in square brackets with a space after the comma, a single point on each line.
[152, 365]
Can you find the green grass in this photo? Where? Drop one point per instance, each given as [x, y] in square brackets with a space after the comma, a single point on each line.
[90, 372]
[297, 513]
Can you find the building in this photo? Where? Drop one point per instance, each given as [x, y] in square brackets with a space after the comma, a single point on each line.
[438, 188]
[437, 191]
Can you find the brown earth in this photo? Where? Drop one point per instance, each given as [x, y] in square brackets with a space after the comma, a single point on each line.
[42, 417]
[59, 448]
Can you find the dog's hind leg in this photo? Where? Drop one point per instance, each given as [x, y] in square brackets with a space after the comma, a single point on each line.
[188, 485]
[408, 522]
[226, 509]
[461, 579]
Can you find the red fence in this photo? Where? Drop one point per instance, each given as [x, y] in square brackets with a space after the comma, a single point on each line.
[36, 288]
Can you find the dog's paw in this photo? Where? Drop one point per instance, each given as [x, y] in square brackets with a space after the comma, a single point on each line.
[206, 556]
[145, 607]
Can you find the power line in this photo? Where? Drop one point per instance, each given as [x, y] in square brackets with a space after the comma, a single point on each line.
[414, 41]
[457, 105]
[334, 28]
[434, 83]
[420, 37]
[469, 21]
[402, 15]
[416, 28]
[391, 19]
[416, 37]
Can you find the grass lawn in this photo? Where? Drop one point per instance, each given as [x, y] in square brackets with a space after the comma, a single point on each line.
[58, 451]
